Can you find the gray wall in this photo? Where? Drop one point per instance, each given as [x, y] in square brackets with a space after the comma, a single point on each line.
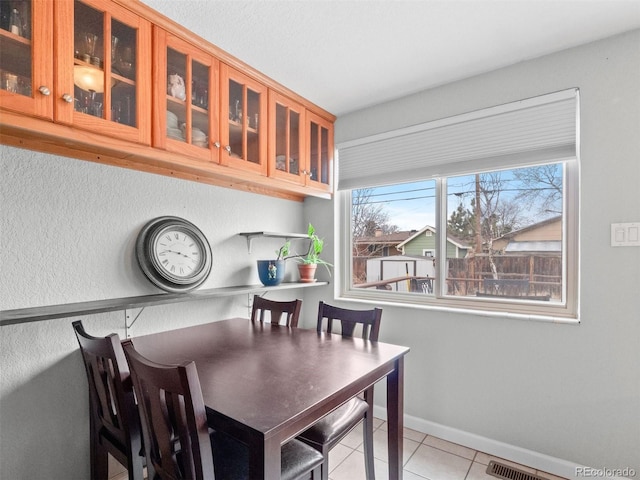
[67, 230]
[571, 392]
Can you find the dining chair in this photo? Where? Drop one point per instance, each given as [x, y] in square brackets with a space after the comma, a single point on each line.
[114, 423]
[276, 309]
[332, 428]
[178, 441]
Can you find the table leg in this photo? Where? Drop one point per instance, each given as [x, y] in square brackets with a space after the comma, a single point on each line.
[395, 402]
[264, 460]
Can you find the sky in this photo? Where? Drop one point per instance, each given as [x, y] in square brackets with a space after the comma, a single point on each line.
[412, 206]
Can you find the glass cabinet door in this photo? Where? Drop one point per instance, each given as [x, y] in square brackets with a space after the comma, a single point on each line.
[107, 83]
[186, 80]
[286, 149]
[244, 108]
[26, 57]
[320, 152]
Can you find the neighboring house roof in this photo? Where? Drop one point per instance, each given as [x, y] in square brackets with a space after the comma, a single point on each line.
[540, 246]
[390, 238]
[454, 240]
[533, 226]
[544, 236]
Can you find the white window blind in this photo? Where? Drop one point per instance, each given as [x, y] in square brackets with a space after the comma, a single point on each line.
[528, 132]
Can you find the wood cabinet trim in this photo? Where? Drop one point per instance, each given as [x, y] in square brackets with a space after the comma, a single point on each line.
[24, 132]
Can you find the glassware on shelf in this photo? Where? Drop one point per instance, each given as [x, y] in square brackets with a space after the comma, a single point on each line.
[125, 64]
[10, 82]
[89, 44]
[114, 49]
[15, 23]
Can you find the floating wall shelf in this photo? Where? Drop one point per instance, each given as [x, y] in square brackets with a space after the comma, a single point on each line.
[37, 314]
[287, 236]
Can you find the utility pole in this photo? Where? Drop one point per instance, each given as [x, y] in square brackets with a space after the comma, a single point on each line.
[478, 215]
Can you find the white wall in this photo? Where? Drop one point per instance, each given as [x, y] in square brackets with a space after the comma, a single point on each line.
[67, 234]
[570, 392]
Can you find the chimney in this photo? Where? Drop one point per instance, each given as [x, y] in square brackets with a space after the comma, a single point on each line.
[378, 232]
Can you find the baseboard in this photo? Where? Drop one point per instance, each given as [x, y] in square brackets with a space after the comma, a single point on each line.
[545, 463]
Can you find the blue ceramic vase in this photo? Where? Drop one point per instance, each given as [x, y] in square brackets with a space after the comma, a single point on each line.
[271, 272]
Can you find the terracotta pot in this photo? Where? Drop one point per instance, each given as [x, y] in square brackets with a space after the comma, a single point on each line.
[307, 272]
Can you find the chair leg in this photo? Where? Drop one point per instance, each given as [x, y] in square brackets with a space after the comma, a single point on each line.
[99, 461]
[368, 436]
[325, 465]
[316, 473]
[135, 467]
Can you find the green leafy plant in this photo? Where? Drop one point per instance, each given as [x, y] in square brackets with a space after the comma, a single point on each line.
[311, 257]
[283, 252]
[316, 245]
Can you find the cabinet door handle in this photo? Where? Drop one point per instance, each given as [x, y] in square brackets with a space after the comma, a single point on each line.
[44, 91]
[216, 144]
[67, 98]
[228, 148]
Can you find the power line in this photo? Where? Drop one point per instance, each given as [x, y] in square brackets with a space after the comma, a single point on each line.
[457, 194]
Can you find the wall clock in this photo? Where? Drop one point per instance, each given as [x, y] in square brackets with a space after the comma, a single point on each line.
[173, 254]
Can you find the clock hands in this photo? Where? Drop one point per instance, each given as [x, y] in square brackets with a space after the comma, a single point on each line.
[179, 253]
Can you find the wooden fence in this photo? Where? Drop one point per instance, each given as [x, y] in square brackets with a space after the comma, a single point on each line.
[532, 276]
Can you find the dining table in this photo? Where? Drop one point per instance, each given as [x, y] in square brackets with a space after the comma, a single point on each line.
[264, 384]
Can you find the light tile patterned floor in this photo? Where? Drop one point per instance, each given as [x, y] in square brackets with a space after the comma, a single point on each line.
[425, 457]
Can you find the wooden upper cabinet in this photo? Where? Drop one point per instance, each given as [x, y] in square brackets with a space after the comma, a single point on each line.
[26, 62]
[186, 116]
[287, 152]
[115, 82]
[243, 102]
[103, 75]
[320, 150]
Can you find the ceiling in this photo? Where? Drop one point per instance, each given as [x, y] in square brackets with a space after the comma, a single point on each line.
[345, 55]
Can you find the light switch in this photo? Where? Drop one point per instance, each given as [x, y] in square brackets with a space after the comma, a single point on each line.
[625, 234]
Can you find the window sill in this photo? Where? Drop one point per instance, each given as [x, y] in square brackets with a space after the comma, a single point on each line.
[470, 307]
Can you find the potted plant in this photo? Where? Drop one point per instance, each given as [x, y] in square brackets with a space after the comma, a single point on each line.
[271, 272]
[308, 263]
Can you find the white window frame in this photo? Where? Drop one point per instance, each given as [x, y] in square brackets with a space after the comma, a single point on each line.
[566, 311]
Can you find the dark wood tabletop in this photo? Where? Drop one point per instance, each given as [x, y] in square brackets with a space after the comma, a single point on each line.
[265, 383]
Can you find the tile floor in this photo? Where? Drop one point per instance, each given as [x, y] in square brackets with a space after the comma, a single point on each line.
[425, 457]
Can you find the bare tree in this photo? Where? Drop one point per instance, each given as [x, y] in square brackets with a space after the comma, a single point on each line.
[367, 216]
[498, 216]
[541, 186]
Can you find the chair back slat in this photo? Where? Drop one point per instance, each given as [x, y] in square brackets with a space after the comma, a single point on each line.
[174, 421]
[349, 321]
[112, 402]
[103, 378]
[276, 310]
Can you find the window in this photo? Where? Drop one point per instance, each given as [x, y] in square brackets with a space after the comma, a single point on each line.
[496, 230]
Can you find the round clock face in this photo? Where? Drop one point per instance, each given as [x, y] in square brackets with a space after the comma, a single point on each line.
[174, 254]
[177, 253]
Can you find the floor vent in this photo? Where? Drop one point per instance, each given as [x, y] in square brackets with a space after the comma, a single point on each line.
[506, 472]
